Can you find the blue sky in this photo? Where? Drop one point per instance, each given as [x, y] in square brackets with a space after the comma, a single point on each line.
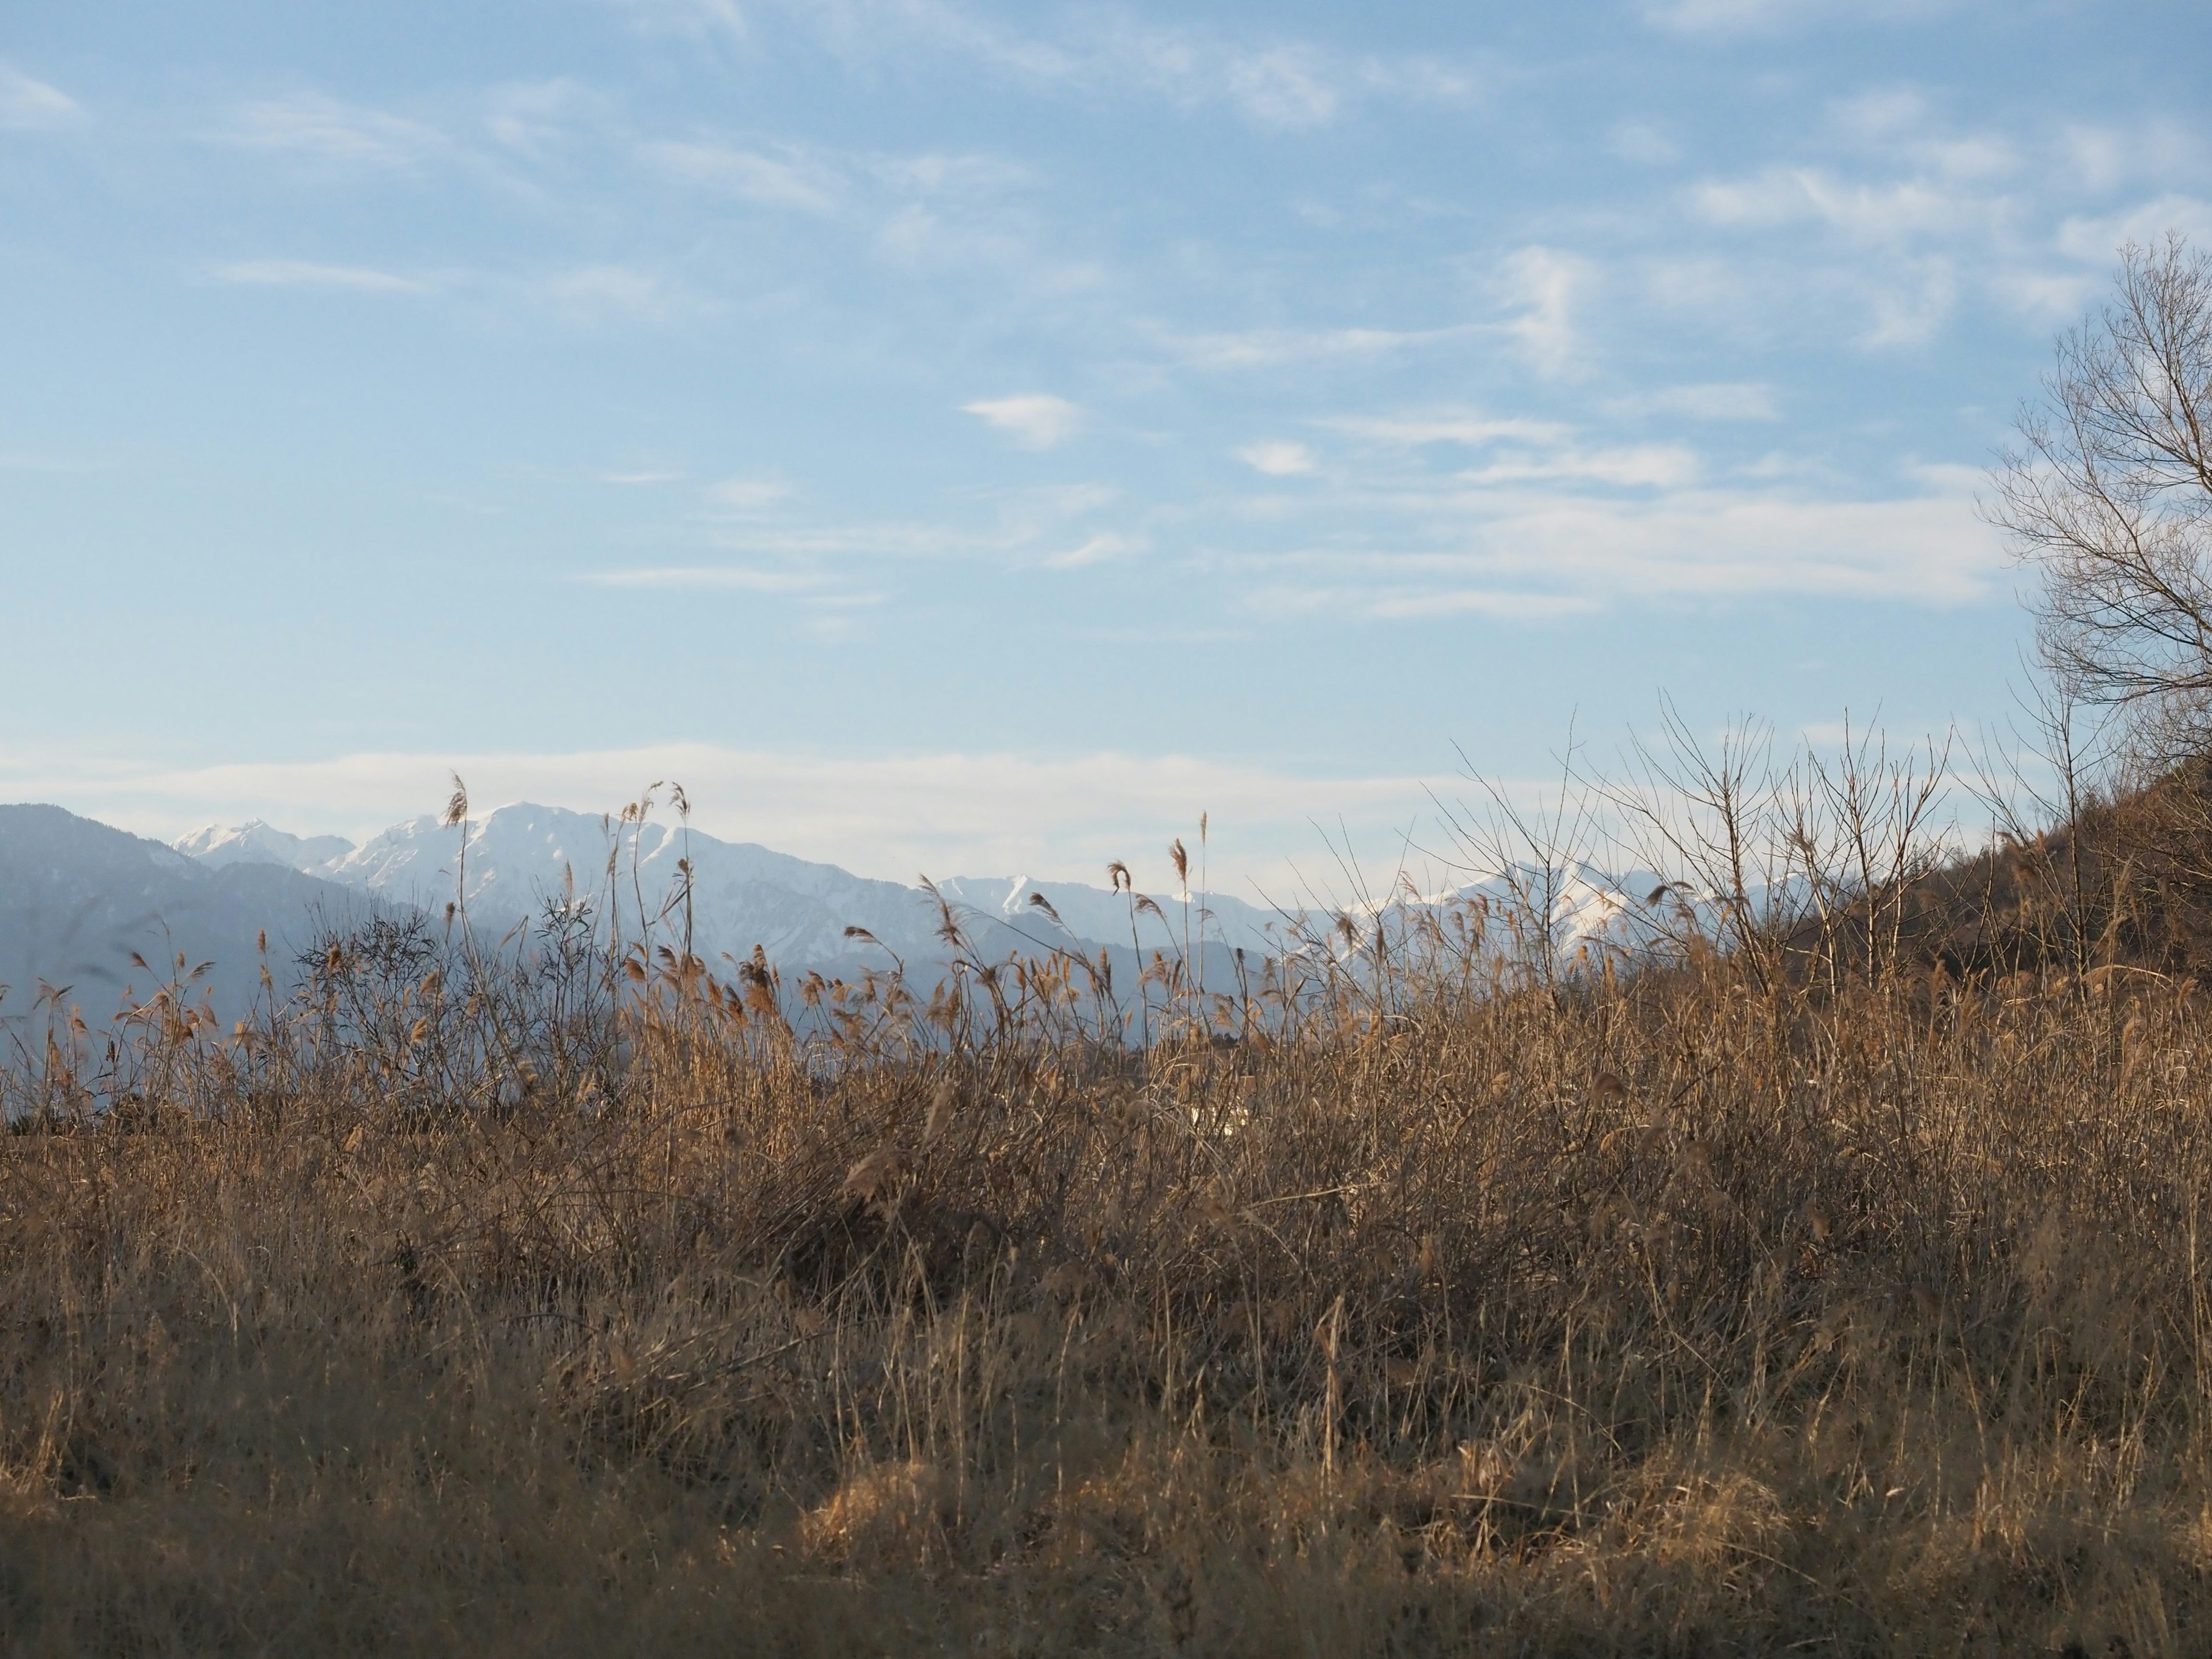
[982, 438]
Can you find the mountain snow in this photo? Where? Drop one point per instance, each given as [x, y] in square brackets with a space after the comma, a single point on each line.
[512, 862]
[257, 843]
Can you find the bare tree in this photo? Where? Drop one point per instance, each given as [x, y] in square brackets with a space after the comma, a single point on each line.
[2110, 494]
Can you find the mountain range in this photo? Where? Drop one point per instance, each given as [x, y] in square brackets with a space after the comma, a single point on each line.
[77, 899]
[506, 866]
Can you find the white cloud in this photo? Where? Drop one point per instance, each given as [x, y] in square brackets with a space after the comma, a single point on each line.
[29, 105]
[1548, 285]
[1279, 83]
[747, 494]
[1524, 451]
[1731, 400]
[1884, 214]
[306, 273]
[1536, 553]
[1636, 466]
[2049, 297]
[1278, 459]
[706, 578]
[2099, 237]
[1547, 520]
[1908, 302]
[534, 118]
[1773, 16]
[935, 173]
[697, 19]
[1646, 144]
[319, 128]
[1881, 112]
[1286, 86]
[603, 293]
[1450, 427]
[1271, 347]
[1034, 420]
[1384, 600]
[790, 181]
[1098, 550]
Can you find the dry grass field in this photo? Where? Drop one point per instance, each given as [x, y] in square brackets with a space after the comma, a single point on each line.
[505, 1305]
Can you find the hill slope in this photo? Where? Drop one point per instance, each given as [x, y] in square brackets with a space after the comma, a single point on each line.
[77, 899]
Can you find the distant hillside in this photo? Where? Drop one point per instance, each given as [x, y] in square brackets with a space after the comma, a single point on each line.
[77, 899]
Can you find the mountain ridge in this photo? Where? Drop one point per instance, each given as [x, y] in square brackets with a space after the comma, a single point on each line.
[507, 866]
[78, 897]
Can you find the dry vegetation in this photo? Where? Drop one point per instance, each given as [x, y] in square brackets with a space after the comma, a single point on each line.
[553, 1302]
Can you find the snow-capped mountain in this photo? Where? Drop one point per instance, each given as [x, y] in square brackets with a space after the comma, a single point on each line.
[77, 899]
[514, 860]
[257, 843]
[506, 866]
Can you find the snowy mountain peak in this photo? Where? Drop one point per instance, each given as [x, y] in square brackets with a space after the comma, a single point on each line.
[255, 843]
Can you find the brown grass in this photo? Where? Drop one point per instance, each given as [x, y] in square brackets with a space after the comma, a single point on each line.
[1668, 1312]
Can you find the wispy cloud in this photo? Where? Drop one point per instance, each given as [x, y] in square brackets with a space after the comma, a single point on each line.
[537, 118]
[1286, 85]
[307, 273]
[1728, 400]
[2098, 238]
[1772, 16]
[791, 181]
[1034, 420]
[1535, 553]
[1868, 211]
[1520, 451]
[315, 127]
[1629, 466]
[595, 295]
[1646, 144]
[707, 578]
[1466, 427]
[1276, 347]
[1278, 459]
[1546, 287]
[1548, 521]
[695, 19]
[30, 106]
[1277, 82]
[1381, 598]
[747, 496]
[1098, 550]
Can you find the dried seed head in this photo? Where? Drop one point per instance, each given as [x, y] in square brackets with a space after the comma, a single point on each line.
[944, 1101]
[876, 1174]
